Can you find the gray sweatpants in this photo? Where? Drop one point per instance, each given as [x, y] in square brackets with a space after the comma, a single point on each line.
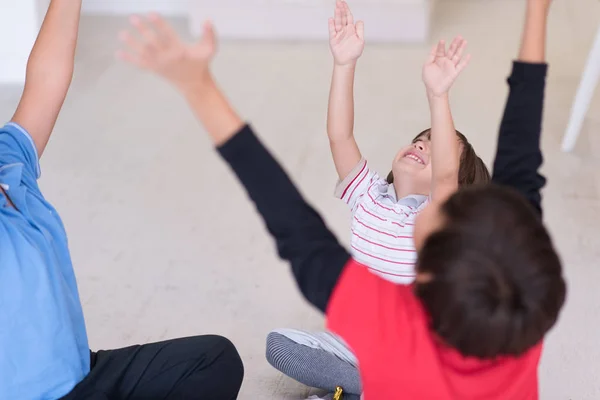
[321, 360]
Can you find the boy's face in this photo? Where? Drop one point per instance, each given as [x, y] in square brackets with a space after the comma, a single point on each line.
[413, 164]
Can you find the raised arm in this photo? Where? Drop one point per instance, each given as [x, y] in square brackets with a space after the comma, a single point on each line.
[347, 44]
[519, 157]
[439, 73]
[316, 257]
[49, 71]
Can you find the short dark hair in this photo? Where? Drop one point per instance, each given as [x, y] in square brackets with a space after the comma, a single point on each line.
[472, 169]
[496, 284]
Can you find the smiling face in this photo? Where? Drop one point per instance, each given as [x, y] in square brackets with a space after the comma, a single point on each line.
[412, 165]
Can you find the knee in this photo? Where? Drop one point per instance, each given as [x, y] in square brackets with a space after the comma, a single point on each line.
[227, 358]
[272, 339]
[276, 349]
[233, 361]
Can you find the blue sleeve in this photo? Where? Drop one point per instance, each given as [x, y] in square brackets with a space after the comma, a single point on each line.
[17, 147]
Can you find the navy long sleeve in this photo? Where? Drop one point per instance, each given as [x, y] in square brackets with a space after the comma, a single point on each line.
[518, 157]
[316, 257]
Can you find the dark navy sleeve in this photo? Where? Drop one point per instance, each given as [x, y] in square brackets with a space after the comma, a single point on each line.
[519, 157]
[316, 257]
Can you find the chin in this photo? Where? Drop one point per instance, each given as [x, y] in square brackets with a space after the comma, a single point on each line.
[407, 170]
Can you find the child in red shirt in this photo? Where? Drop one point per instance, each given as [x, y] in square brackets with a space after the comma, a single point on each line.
[489, 282]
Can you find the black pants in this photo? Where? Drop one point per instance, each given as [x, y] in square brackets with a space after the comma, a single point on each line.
[200, 367]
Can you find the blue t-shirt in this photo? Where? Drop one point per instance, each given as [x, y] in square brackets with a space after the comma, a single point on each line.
[44, 350]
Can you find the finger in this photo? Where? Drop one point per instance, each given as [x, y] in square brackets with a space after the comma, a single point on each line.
[360, 30]
[209, 36]
[131, 42]
[454, 46]
[130, 58]
[349, 15]
[441, 49]
[163, 29]
[332, 30]
[338, 16]
[432, 54]
[344, 14]
[463, 64]
[459, 52]
[149, 36]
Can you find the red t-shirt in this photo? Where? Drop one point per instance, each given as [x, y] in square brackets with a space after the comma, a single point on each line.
[386, 327]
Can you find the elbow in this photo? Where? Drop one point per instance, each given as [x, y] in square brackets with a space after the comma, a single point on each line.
[54, 71]
[443, 188]
[337, 134]
[49, 82]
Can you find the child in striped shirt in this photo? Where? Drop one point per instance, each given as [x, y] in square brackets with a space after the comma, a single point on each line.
[383, 210]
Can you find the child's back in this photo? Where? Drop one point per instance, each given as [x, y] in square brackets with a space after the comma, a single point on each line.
[410, 361]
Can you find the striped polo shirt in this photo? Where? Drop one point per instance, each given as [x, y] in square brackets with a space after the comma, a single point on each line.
[382, 226]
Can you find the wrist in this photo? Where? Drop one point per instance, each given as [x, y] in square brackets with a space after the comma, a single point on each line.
[437, 97]
[197, 87]
[350, 66]
[538, 7]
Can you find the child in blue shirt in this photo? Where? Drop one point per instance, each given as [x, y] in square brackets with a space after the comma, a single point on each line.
[44, 351]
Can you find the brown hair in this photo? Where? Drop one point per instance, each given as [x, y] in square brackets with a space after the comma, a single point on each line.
[496, 282]
[472, 169]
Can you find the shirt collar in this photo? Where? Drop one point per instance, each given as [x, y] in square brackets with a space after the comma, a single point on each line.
[412, 200]
[10, 180]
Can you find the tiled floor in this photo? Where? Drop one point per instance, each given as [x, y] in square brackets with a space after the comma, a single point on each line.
[165, 243]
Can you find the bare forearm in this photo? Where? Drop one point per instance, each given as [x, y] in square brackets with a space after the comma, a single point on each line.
[54, 49]
[340, 118]
[340, 121]
[533, 44]
[214, 111]
[49, 71]
[445, 151]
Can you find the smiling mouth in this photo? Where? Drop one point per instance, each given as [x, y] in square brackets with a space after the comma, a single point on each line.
[415, 158]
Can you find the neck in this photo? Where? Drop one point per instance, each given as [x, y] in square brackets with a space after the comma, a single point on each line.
[403, 188]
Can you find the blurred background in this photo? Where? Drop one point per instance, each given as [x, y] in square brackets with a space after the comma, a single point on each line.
[164, 241]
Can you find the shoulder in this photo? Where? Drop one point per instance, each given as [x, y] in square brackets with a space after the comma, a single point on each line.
[365, 297]
[17, 146]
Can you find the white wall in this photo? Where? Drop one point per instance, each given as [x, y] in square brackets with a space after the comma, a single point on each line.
[397, 20]
[167, 7]
[19, 25]
[387, 20]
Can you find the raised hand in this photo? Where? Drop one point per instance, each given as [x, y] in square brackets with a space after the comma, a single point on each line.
[346, 38]
[156, 47]
[443, 67]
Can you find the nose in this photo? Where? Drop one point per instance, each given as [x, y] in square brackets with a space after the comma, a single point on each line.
[420, 146]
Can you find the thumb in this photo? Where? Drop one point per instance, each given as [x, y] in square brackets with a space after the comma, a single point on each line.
[432, 55]
[360, 29]
[209, 36]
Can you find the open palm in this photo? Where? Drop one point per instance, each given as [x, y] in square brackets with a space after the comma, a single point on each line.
[345, 37]
[443, 67]
[152, 44]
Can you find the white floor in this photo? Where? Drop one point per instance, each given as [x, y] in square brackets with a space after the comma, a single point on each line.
[165, 243]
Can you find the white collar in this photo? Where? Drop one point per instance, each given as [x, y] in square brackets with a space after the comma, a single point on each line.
[412, 200]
